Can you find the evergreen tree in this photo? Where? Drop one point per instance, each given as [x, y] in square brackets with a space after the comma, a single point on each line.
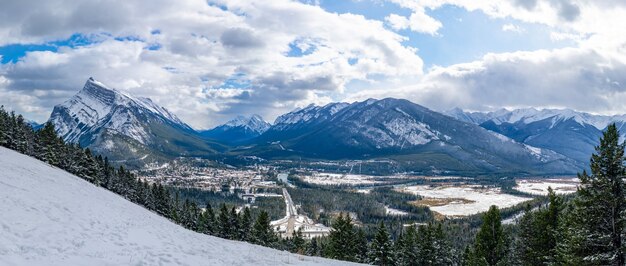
[342, 238]
[361, 246]
[442, 250]
[381, 249]
[297, 242]
[596, 220]
[490, 240]
[245, 225]
[233, 220]
[211, 224]
[313, 248]
[223, 219]
[407, 253]
[262, 232]
[538, 233]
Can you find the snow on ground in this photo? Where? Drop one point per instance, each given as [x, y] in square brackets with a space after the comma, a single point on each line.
[464, 200]
[339, 179]
[540, 186]
[394, 212]
[50, 217]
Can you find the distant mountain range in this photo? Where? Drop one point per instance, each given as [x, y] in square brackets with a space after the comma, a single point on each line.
[573, 134]
[524, 141]
[238, 130]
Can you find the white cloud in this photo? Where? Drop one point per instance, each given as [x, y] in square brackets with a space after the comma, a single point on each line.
[418, 21]
[201, 46]
[568, 78]
[512, 28]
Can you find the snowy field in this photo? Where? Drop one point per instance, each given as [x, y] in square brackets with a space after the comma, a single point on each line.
[50, 217]
[339, 179]
[394, 212]
[540, 186]
[462, 200]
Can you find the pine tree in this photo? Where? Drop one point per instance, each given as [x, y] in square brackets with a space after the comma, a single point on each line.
[262, 232]
[297, 242]
[442, 250]
[245, 225]
[381, 249]
[342, 238]
[596, 221]
[233, 220]
[223, 219]
[313, 248]
[407, 247]
[490, 240]
[361, 246]
[211, 223]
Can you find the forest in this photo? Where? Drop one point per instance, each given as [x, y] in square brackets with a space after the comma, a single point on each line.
[586, 228]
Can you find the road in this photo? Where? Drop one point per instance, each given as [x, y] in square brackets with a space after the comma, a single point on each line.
[291, 212]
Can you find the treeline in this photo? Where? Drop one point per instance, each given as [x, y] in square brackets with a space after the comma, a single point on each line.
[45, 145]
[587, 228]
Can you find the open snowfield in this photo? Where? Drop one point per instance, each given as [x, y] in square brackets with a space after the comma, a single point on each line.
[339, 179]
[540, 186]
[462, 200]
[50, 217]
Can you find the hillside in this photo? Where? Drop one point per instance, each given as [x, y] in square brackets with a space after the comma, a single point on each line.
[50, 217]
[423, 140]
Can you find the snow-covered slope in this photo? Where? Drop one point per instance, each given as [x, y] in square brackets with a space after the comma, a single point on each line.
[239, 129]
[50, 217]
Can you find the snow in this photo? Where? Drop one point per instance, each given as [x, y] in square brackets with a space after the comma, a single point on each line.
[253, 122]
[540, 186]
[339, 179]
[309, 113]
[466, 200]
[406, 129]
[97, 105]
[530, 115]
[50, 217]
[394, 212]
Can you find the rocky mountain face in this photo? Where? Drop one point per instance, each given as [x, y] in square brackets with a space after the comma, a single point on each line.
[238, 130]
[425, 140]
[124, 127]
[568, 132]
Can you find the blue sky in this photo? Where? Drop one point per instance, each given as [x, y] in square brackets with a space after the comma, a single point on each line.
[208, 61]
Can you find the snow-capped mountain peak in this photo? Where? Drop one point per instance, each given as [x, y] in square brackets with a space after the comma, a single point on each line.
[254, 122]
[96, 107]
[531, 115]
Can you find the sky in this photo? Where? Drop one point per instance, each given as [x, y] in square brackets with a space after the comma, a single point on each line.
[209, 61]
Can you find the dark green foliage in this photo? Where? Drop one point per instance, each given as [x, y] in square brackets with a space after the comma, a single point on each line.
[223, 221]
[490, 240]
[538, 233]
[262, 232]
[381, 250]
[342, 240]
[593, 228]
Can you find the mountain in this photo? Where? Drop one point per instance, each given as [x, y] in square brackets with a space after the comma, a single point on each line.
[238, 130]
[568, 132]
[125, 127]
[421, 139]
[50, 217]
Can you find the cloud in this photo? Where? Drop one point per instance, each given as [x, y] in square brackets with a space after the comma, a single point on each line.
[512, 28]
[566, 78]
[182, 56]
[418, 21]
